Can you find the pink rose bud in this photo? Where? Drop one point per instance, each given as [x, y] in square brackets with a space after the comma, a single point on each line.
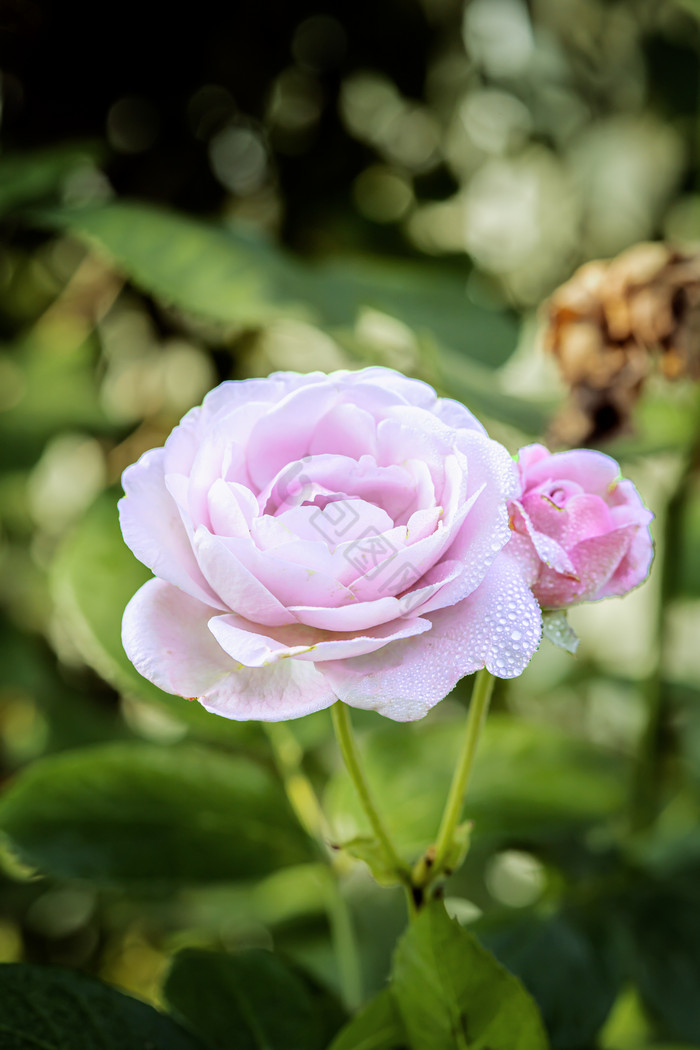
[323, 537]
[581, 530]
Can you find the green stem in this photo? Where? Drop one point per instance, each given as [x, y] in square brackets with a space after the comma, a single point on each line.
[644, 802]
[346, 741]
[478, 708]
[345, 945]
[288, 756]
[302, 797]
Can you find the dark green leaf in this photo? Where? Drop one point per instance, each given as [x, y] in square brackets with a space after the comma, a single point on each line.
[453, 995]
[250, 1001]
[42, 1008]
[528, 780]
[568, 965]
[664, 956]
[94, 576]
[376, 1027]
[127, 813]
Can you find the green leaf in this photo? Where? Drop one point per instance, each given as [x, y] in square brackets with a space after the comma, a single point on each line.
[569, 966]
[376, 1027]
[467, 380]
[26, 178]
[251, 1000]
[368, 849]
[94, 575]
[692, 7]
[228, 275]
[529, 780]
[43, 1008]
[125, 813]
[664, 955]
[453, 995]
[56, 390]
[558, 630]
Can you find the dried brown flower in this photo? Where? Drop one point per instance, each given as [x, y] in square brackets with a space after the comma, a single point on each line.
[611, 324]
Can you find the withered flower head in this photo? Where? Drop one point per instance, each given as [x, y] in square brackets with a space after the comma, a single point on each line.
[609, 326]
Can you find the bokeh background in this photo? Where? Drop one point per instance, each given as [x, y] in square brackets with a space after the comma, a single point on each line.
[190, 198]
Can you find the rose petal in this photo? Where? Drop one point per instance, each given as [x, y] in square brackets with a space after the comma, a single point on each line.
[166, 637]
[634, 566]
[347, 430]
[287, 581]
[153, 528]
[232, 508]
[547, 548]
[239, 638]
[595, 561]
[359, 616]
[239, 589]
[593, 471]
[499, 626]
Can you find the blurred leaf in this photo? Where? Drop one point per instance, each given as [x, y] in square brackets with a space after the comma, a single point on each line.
[57, 390]
[664, 955]
[125, 813]
[376, 1027]
[27, 178]
[94, 575]
[368, 849]
[467, 380]
[528, 780]
[250, 1000]
[452, 993]
[52, 1009]
[568, 965]
[229, 275]
[663, 422]
[692, 7]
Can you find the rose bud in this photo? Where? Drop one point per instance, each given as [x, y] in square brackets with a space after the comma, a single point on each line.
[581, 530]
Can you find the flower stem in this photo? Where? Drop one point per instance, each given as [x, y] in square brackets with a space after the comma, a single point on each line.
[288, 756]
[478, 708]
[345, 944]
[346, 741]
[644, 802]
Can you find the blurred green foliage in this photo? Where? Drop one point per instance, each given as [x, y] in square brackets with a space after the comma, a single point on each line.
[142, 834]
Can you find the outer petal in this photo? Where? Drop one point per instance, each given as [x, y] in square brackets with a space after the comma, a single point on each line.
[634, 567]
[166, 637]
[593, 471]
[497, 627]
[244, 643]
[595, 561]
[485, 530]
[154, 530]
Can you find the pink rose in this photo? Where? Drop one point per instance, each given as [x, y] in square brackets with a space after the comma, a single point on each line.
[323, 537]
[581, 528]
